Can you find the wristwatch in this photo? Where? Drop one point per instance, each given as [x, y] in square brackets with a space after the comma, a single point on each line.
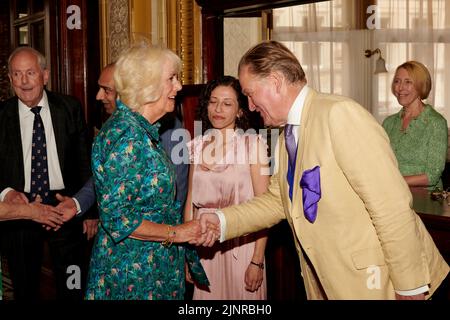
[259, 265]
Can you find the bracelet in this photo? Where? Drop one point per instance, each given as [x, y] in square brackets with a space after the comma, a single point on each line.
[171, 234]
[259, 265]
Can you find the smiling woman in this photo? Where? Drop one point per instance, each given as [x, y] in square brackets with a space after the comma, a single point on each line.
[418, 133]
[135, 186]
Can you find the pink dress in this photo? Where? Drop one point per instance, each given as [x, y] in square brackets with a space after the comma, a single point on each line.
[219, 185]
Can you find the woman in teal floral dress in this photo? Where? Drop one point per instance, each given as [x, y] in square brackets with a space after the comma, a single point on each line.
[140, 250]
[418, 133]
[40, 213]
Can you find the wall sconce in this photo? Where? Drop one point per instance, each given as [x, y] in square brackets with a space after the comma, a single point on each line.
[380, 66]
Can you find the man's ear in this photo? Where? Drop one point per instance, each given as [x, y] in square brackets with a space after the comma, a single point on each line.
[277, 78]
[45, 75]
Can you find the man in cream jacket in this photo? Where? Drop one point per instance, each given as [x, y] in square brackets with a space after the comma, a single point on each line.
[348, 206]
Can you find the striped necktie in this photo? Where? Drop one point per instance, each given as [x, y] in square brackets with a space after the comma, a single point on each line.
[39, 168]
[291, 148]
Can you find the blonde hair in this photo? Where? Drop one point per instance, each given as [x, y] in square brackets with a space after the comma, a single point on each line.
[138, 72]
[420, 76]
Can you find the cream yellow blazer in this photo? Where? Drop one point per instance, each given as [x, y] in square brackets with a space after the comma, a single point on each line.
[366, 239]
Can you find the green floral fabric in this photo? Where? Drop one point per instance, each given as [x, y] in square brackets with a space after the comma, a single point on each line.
[422, 147]
[134, 181]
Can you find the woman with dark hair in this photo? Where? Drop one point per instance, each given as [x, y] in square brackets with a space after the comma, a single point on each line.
[228, 166]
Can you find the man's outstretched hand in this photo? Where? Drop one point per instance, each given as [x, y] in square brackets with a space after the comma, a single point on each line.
[67, 206]
[210, 228]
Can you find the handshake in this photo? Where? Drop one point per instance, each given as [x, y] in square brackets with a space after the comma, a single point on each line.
[203, 231]
[51, 218]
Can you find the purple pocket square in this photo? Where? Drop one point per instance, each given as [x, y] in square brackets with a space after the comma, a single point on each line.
[311, 193]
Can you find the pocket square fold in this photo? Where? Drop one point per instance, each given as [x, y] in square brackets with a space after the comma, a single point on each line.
[311, 193]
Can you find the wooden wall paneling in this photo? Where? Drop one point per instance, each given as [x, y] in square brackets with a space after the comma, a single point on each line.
[188, 98]
[73, 52]
[237, 7]
[94, 108]
[5, 49]
[78, 53]
[212, 42]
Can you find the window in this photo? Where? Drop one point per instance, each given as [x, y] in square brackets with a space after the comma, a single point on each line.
[330, 46]
[28, 24]
[415, 30]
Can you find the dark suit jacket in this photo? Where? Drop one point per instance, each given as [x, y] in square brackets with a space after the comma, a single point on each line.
[169, 123]
[71, 142]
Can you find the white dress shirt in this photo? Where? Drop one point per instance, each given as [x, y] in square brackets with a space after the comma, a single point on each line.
[26, 118]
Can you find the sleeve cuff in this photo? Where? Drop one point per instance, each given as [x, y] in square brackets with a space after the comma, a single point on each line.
[413, 292]
[223, 225]
[77, 204]
[4, 192]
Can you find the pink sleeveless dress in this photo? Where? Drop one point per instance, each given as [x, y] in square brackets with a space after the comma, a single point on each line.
[219, 185]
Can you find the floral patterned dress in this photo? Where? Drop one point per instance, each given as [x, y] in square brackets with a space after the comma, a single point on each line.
[134, 181]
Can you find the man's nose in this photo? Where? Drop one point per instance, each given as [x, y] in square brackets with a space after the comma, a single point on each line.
[100, 94]
[24, 78]
[251, 105]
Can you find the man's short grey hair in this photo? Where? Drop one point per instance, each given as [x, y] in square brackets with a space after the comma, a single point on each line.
[40, 57]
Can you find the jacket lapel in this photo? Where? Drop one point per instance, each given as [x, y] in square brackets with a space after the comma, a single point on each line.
[297, 202]
[58, 127]
[282, 169]
[13, 126]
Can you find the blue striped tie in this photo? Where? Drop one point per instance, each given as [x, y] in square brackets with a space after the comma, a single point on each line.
[39, 168]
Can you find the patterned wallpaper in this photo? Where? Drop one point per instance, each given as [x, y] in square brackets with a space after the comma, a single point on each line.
[239, 35]
[117, 28]
[5, 91]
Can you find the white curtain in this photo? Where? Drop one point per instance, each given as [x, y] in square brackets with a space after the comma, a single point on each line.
[415, 30]
[325, 38]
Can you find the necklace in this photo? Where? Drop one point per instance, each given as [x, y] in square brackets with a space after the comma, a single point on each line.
[406, 119]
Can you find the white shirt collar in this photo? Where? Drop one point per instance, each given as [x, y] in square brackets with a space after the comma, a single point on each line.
[24, 110]
[295, 113]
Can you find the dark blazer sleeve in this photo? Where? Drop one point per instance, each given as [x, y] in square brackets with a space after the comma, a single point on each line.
[86, 196]
[182, 169]
[11, 155]
[72, 141]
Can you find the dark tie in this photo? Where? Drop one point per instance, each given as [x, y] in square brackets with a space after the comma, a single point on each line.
[39, 167]
[291, 148]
